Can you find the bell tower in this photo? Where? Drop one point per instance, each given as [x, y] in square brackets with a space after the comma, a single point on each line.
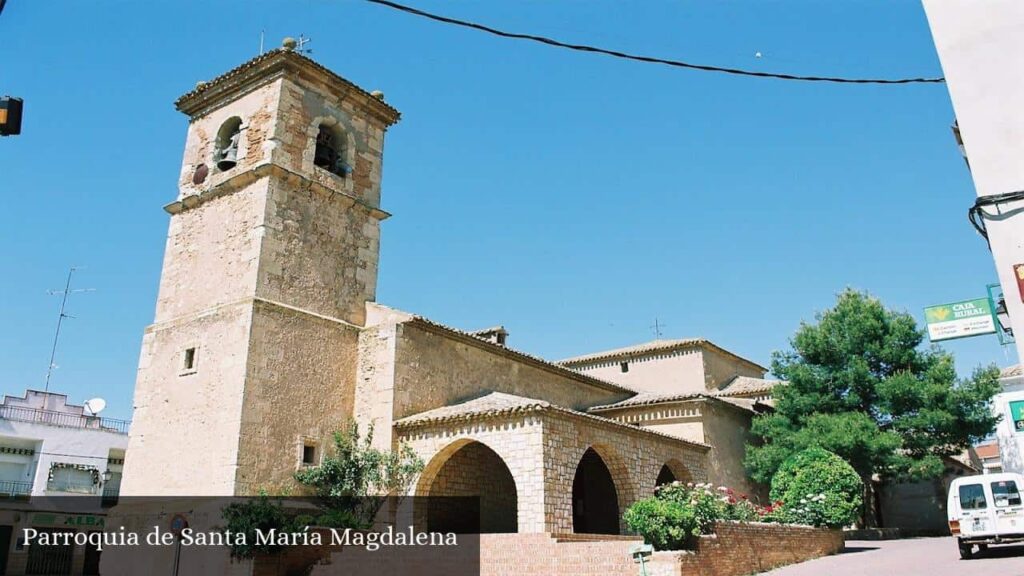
[271, 257]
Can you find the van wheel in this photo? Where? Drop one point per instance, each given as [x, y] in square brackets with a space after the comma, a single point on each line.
[965, 551]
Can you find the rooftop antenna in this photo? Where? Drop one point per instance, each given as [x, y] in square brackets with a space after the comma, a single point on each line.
[60, 320]
[656, 327]
[261, 41]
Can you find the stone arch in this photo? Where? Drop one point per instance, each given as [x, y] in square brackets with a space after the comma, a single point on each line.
[333, 146]
[228, 146]
[467, 468]
[599, 492]
[671, 471]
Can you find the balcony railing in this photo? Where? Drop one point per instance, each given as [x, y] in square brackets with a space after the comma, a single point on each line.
[52, 418]
[14, 488]
[71, 487]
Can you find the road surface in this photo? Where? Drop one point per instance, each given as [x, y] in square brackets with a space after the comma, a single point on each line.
[915, 557]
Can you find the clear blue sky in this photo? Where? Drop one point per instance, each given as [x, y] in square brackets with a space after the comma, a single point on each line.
[571, 197]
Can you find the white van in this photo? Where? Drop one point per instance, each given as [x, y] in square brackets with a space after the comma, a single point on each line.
[986, 510]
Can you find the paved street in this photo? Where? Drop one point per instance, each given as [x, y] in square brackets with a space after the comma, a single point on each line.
[917, 557]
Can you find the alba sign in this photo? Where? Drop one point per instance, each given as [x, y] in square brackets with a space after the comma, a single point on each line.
[960, 319]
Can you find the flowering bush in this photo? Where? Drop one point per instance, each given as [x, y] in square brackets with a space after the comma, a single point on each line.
[817, 488]
[678, 513]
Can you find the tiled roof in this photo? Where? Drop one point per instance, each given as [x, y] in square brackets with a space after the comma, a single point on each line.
[500, 404]
[492, 404]
[647, 398]
[653, 398]
[987, 450]
[649, 348]
[1011, 371]
[269, 60]
[744, 385]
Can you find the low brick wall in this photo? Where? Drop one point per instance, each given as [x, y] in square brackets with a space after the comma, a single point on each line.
[546, 554]
[739, 549]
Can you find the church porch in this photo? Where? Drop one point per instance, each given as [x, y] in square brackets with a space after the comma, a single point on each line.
[537, 467]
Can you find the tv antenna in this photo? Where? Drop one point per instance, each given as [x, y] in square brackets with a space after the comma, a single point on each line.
[67, 291]
[301, 42]
[657, 328]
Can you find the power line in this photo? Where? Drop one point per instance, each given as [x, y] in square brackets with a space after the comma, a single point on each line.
[651, 59]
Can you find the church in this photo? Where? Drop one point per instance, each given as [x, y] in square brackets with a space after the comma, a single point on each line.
[267, 338]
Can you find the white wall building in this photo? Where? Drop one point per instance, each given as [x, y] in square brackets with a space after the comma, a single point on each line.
[50, 447]
[981, 47]
[1009, 438]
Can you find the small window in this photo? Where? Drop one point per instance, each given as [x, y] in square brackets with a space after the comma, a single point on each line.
[330, 151]
[624, 367]
[972, 497]
[188, 362]
[226, 153]
[308, 455]
[1005, 494]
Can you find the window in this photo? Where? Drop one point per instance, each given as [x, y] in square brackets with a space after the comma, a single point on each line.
[330, 151]
[188, 360]
[308, 455]
[624, 367]
[1005, 493]
[972, 497]
[226, 153]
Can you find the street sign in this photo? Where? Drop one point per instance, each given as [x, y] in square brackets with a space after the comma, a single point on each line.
[1017, 415]
[960, 319]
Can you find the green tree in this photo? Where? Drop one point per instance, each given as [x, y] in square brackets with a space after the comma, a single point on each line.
[861, 385]
[350, 483]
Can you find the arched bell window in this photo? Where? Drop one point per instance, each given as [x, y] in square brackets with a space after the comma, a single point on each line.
[330, 151]
[226, 153]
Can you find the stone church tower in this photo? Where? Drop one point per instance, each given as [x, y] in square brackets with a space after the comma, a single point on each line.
[271, 257]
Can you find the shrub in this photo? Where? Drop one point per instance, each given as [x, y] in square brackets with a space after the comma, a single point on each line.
[818, 488]
[262, 514]
[665, 524]
[680, 512]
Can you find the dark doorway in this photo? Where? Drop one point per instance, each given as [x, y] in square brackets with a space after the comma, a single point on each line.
[473, 493]
[50, 559]
[5, 546]
[595, 504]
[665, 476]
[91, 567]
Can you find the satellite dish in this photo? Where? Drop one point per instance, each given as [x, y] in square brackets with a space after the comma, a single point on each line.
[95, 406]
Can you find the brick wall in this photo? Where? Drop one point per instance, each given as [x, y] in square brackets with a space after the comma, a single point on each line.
[738, 549]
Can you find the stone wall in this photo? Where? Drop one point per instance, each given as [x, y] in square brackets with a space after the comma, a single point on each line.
[433, 369]
[299, 391]
[727, 430]
[542, 451]
[739, 549]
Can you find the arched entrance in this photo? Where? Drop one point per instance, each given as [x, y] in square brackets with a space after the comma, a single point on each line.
[665, 476]
[595, 502]
[470, 470]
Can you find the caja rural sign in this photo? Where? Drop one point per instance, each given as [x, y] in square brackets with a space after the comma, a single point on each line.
[960, 319]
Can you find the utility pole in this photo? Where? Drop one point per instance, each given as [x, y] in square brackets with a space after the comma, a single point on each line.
[979, 49]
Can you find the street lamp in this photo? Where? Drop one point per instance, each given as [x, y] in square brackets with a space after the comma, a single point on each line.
[107, 475]
[1003, 316]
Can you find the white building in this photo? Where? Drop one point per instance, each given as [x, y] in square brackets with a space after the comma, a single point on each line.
[1010, 434]
[51, 448]
[980, 46]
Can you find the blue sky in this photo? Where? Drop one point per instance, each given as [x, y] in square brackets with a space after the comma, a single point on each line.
[571, 197]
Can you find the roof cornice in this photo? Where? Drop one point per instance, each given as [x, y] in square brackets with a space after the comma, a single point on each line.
[270, 66]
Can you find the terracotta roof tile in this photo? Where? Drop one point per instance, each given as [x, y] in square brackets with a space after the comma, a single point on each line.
[648, 348]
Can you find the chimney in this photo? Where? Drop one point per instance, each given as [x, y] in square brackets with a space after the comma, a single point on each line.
[495, 335]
